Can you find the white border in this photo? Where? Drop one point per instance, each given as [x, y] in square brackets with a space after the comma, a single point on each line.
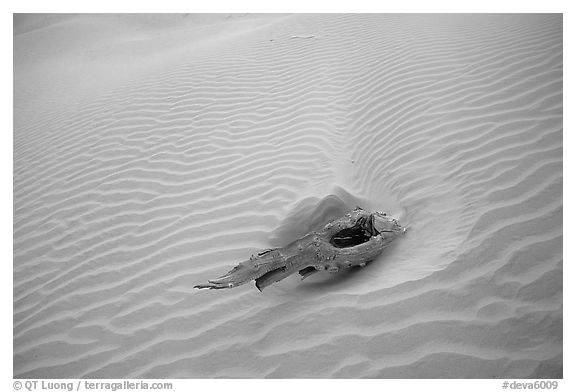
[38, 6]
[300, 6]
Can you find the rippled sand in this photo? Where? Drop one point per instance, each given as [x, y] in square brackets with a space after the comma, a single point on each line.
[152, 153]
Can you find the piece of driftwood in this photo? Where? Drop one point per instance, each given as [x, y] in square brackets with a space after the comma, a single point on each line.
[353, 240]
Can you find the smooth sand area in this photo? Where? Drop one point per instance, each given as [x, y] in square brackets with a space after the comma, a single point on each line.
[154, 152]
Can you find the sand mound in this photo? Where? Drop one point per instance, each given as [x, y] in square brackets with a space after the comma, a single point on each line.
[153, 154]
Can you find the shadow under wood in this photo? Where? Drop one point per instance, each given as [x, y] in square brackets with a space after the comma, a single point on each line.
[323, 281]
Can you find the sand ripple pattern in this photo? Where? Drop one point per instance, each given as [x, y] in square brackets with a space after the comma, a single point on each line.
[454, 122]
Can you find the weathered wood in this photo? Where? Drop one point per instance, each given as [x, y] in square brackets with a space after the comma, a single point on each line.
[353, 240]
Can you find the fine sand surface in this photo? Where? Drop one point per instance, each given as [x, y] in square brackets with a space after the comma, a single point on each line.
[152, 153]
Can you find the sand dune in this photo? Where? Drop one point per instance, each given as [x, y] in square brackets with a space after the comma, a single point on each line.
[153, 153]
